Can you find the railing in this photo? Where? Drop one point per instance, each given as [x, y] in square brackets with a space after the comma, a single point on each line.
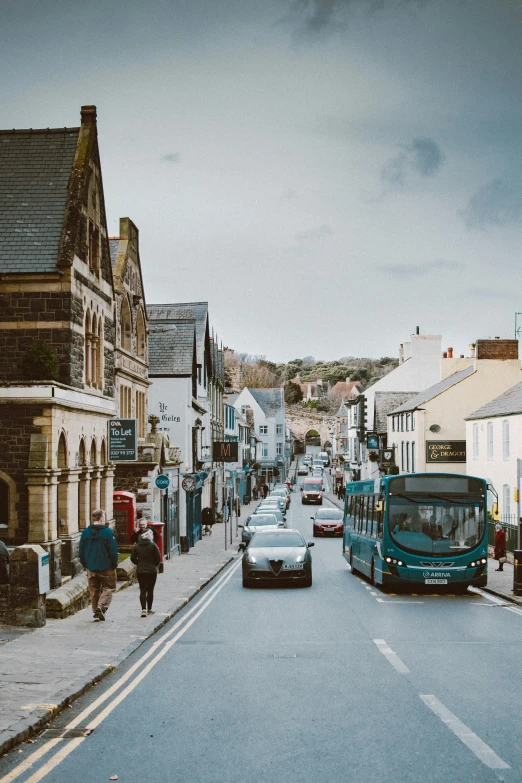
[509, 524]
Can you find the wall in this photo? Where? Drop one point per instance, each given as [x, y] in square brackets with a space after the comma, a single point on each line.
[498, 471]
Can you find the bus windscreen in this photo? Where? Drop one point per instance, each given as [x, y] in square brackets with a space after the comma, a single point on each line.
[433, 484]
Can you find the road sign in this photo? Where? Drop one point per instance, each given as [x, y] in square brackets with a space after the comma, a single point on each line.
[162, 482]
[123, 440]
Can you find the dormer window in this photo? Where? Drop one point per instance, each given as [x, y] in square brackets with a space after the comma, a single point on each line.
[126, 326]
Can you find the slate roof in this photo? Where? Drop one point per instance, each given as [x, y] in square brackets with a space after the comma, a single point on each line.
[197, 311]
[171, 348]
[385, 403]
[114, 243]
[506, 404]
[435, 390]
[35, 167]
[269, 400]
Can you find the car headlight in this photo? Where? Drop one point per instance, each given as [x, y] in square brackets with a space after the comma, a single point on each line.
[300, 559]
[251, 559]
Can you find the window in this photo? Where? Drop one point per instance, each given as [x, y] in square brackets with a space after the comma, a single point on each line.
[140, 413]
[407, 422]
[125, 402]
[126, 326]
[140, 336]
[402, 422]
[263, 429]
[475, 440]
[393, 423]
[279, 448]
[279, 429]
[506, 501]
[244, 409]
[413, 420]
[413, 457]
[408, 457]
[4, 503]
[490, 439]
[505, 439]
[402, 455]
[264, 449]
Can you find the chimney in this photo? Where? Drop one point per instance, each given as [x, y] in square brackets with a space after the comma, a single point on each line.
[497, 349]
[472, 350]
[445, 355]
[401, 353]
[450, 353]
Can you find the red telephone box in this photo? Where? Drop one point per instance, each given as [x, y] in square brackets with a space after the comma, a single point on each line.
[124, 505]
[159, 527]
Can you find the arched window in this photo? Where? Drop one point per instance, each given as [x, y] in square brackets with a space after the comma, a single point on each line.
[506, 505]
[505, 439]
[140, 335]
[62, 452]
[94, 351]
[100, 359]
[87, 358]
[126, 326]
[103, 453]
[81, 453]
[93, 452]
[490, 439]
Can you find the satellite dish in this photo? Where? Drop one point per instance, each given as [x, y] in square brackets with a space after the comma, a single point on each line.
[435, 428]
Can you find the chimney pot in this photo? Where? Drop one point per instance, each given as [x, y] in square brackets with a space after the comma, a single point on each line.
[444, 355]
[450, 353]
[88, 114]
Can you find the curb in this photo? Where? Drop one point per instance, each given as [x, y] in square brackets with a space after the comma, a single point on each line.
[511, 598]
[37, 719]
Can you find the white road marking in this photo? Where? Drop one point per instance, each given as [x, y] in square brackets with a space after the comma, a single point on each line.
[514, 609]
[489, 596]
[412, 603]
[72, 744]
[392, 657]
[374, 593]
[465, 735]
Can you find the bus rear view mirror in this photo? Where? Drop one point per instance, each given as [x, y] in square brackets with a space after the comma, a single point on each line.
[496, 516]
[379, 506]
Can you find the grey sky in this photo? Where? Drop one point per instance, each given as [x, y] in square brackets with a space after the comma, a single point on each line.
[328, 174]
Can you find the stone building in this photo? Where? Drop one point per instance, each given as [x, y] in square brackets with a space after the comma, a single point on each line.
[56, 339]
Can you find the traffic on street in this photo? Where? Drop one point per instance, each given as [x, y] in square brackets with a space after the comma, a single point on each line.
[338, 681]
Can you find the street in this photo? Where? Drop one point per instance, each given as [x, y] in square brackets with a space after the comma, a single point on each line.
[332, 683]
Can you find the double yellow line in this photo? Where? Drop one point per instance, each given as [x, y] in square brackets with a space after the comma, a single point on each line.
[165, 643]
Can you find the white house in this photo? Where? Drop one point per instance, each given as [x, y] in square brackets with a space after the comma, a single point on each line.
[268, 406]
[419, 368]
[494, 449]
[429, 430]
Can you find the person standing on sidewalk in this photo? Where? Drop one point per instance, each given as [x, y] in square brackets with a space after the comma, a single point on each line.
[99, 555]
[143, 525]
[500, 547]
[146, 557]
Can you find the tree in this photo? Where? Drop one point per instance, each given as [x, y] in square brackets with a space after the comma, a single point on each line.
[293, 393]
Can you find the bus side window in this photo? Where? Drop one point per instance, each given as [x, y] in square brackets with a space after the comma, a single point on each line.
[371, 515]
[365, 517]
[380, 517]
[357, 513]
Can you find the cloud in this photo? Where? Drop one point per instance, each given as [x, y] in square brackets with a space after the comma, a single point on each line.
[422, 158]
[404, 271]
[314, 234]
[319, 15]
[496, 204]
[171, 157]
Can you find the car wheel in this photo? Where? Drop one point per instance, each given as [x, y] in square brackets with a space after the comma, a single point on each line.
[308, 580]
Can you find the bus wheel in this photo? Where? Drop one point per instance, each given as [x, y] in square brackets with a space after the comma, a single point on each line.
[372, 574]
[351, 561]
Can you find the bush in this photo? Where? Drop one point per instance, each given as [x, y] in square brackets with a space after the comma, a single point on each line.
[40, 363]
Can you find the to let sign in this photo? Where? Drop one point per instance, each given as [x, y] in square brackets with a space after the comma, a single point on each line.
[123, 440]
[225, 451]
[445, 451]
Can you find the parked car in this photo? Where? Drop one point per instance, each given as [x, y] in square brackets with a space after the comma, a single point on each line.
[273, 504]
[323, 456]
[317, 474]
[328, 522]
[278, 556]
[281, 493]
[281, 500]
[312, 491]
[258, 522]
[307, 461]
[302, 470]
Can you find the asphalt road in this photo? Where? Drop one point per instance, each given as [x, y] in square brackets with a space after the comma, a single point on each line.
[337, 682]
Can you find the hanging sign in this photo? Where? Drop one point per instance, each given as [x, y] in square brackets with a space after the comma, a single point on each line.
[123, 440]
[445, 451]
[225, 451]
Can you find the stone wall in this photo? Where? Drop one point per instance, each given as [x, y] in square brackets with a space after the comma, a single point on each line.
[497, 349]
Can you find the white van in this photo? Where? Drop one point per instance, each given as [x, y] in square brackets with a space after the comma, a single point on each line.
[323, 456]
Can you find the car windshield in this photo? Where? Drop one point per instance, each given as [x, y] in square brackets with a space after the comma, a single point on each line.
[329, 513]
[282, 538]
[313, 486]
[262, 519]
[278, 492]
[436, 525]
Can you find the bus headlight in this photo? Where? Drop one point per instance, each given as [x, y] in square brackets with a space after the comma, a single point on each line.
[394, 561]
[477, 563]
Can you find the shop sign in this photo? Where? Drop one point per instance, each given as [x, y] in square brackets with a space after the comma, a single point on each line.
[225, 451]
[123, 440]
[445, 451]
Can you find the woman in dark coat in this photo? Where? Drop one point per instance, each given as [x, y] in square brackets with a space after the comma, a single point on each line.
[146, 556]
[500, 547]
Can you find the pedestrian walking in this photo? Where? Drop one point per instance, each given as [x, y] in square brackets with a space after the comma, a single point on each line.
[4, 564]
[500, 547]
[146, 556]
[255, 492]
[99, 555]
[262, 492]
[143, 525]
[265, 490]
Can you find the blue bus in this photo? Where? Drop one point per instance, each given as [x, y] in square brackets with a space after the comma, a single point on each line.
[421, 528]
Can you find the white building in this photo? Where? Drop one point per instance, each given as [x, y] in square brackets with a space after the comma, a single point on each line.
[429, 430]
[494, 449]
[268, 407]
[419, 368]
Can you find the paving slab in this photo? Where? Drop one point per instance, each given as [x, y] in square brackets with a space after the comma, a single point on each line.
[42, 670]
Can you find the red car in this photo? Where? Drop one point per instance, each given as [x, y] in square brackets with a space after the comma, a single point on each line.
[328, 522]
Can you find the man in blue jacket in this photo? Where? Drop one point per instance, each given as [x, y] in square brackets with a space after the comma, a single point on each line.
[99, 555]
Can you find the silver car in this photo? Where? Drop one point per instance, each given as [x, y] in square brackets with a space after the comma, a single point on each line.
[273, 503]
[277, 556]
[283, 505]
[258, 521]
[269, 510]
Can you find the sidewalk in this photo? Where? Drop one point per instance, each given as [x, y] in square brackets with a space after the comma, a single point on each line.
[44, 669]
